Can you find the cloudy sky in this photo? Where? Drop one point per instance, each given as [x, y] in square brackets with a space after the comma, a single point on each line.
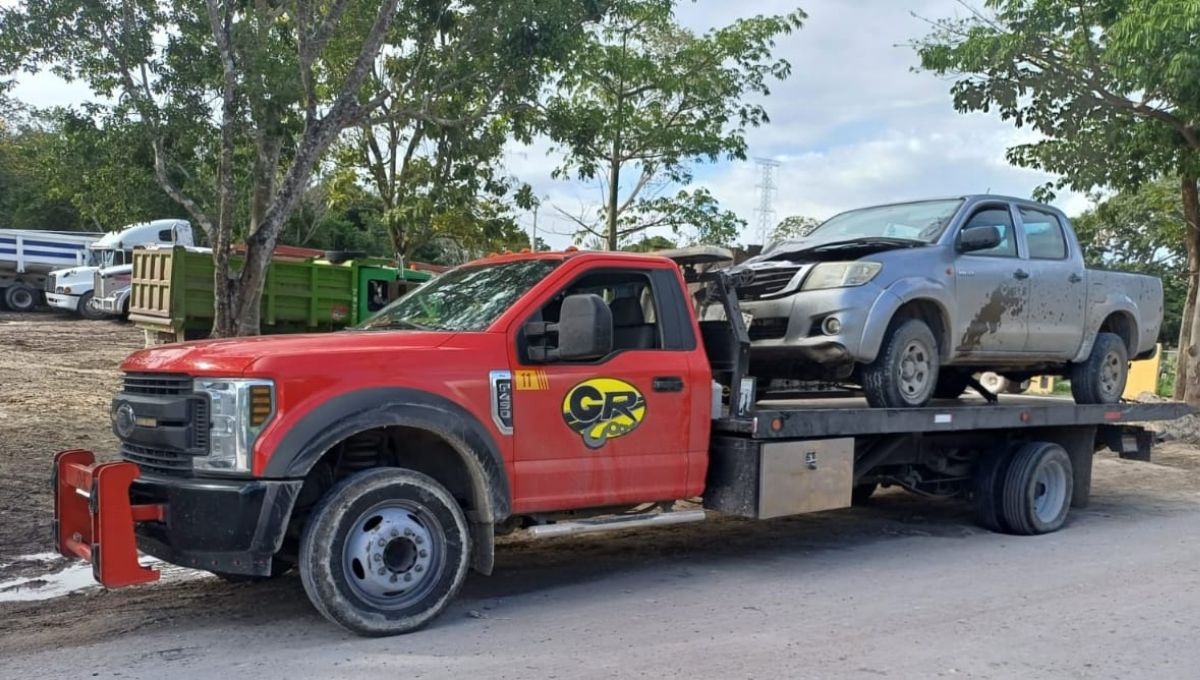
[851, 127]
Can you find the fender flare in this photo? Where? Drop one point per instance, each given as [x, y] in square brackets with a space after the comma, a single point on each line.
[1120, 304]
[348, 414]
[890, 301]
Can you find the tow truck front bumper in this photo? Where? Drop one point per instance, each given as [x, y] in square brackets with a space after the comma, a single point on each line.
[105, 512]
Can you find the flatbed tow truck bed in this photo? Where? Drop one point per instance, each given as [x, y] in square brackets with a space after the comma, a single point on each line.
[843, 417]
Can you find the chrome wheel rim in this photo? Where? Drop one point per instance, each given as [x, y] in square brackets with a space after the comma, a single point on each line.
[1049, 492]
[915, 370]
[393, 554]
[1110, 374]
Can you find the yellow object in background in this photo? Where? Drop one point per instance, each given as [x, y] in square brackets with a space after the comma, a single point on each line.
[1041, 384]
[1143, 376]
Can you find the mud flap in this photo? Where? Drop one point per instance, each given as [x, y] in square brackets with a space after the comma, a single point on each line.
[94, 518]
[483, 547]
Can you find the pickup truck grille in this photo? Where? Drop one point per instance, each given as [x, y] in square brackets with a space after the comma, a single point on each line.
[182, 425]
[171, 384]
[767, 282]
[160, 461]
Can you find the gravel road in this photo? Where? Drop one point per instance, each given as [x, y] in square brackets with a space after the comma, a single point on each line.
[904, 588]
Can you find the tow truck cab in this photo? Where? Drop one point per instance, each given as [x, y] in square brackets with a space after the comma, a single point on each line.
[382, 461]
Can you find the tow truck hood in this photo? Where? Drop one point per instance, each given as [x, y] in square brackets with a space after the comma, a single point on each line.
[233, 356]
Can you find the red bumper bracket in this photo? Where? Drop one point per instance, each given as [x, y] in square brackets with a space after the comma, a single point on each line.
[94, 518]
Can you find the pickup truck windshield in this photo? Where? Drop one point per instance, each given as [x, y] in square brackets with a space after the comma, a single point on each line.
[464, 299]
[921, 222]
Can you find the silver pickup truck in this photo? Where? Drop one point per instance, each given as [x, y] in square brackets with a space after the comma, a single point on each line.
[910, 300]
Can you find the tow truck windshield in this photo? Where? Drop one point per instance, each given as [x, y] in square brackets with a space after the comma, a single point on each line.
[464, 299]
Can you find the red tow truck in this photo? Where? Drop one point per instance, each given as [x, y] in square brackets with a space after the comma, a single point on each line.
[546, 392]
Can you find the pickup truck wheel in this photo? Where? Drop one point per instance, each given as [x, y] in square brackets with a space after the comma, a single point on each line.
[20, 297]
[950, 385]
[990, 470]
[1037, 489]
[88, 308]
[1101, 378]
[384, 552]
[906, 371]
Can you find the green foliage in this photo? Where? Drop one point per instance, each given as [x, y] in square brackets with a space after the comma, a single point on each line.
[796, 226]
[649, 244]
[25, 202]
[646, 99]
[1141, 231]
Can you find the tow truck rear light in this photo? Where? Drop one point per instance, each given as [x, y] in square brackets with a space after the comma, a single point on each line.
[94, 518]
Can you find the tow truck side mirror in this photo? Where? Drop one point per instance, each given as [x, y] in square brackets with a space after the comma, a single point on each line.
[584, 329]
[982, 237]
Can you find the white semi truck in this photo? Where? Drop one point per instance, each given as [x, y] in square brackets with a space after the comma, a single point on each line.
[28, 256]
[72, 289]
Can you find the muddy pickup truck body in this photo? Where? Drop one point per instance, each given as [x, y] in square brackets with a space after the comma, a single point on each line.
[999, 283]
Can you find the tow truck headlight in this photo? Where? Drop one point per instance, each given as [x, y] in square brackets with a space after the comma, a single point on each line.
[840, 275]
[238, 411]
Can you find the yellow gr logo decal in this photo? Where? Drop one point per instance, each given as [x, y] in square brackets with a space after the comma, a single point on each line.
[603, 408]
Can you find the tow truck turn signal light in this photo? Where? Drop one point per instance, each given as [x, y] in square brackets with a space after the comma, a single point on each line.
[260, 405]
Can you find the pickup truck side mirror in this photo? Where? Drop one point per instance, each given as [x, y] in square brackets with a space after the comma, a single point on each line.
[584, 328]
[978, 238]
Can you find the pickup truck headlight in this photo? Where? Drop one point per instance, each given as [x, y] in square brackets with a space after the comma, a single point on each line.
[840, 275]
[239, 411]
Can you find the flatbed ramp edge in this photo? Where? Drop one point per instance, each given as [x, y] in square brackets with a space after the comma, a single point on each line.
[850, 417]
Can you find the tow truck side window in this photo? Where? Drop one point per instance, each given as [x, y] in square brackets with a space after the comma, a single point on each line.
[645, 306]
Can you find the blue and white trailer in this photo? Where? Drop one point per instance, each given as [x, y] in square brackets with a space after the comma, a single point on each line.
[27, 256]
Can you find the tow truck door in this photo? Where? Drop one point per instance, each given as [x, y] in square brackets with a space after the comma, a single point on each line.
[614, 430]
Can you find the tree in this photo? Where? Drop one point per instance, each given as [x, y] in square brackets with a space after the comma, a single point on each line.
[649, 244]
[1111, 87]
[1141, 231]
[646, 100]
[25, 202]
[796, 226]
[284, 78]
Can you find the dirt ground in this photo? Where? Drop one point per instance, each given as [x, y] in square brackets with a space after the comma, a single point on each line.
[57, 376]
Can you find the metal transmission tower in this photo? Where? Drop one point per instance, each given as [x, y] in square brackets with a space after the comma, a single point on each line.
[766, 198]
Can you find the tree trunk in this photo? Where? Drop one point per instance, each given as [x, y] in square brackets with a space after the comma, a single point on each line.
[614, 195]
[1188, 371]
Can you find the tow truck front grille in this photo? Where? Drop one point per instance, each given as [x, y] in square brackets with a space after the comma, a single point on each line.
[157, 460]
[767, 282]
[158, 383]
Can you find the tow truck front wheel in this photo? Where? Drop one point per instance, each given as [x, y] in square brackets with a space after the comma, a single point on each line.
[384, 552]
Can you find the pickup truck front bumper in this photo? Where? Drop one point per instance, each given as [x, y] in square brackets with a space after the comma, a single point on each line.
[106, 512]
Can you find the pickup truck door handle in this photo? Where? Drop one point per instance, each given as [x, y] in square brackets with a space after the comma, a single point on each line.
[667, 384]
[1074, 278]
[1020, 275]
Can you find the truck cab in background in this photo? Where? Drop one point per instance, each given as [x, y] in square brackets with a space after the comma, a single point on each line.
[72, 289]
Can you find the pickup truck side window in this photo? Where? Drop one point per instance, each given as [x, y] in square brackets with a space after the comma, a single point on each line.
[1044, 234]
[1000, 218]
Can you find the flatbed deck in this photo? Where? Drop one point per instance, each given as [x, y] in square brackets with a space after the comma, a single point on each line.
[838, 417]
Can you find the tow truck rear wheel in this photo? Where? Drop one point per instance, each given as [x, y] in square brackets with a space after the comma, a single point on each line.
[384, 552]
[1037, 489]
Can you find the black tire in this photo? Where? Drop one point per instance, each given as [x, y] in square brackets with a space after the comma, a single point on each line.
[883, 380]
[370, 508]
[861, 495]
[1101, 378]
[21, 297]
[990, 470]
[1037, 489]
[86, 309]
[950, 385]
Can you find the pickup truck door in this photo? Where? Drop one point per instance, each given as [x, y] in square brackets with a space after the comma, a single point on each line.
[991, 291]
[616, 430]
[1057, 286]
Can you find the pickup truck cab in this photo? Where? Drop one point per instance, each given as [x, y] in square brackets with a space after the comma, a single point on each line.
[531, 392]
[909, 300]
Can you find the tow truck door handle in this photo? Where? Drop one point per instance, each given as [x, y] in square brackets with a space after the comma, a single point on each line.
[667, 384]
[1020, 275]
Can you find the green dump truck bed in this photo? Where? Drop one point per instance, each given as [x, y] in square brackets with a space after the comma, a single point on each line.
[172, 293]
